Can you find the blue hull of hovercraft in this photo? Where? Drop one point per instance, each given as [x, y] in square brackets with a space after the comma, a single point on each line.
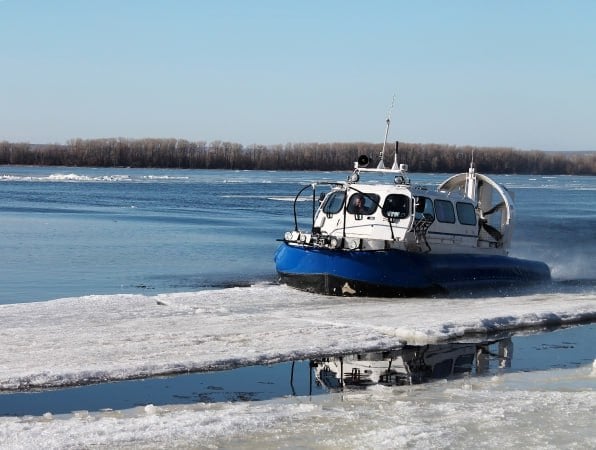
[397, 273]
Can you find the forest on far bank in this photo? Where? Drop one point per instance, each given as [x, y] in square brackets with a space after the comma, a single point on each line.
[180, 153]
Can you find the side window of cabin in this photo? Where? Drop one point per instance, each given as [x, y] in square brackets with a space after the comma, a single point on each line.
[396, 206]
[466, 213]
[334, 202]
[363, 204]
[424, 208]
[444, 211]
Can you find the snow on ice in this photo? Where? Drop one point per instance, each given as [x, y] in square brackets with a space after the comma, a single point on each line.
[114, 337]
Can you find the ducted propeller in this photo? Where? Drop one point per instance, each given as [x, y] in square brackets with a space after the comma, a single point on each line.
[494, 203]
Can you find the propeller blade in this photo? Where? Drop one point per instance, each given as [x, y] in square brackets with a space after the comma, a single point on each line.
[494, 208]
[495, 234]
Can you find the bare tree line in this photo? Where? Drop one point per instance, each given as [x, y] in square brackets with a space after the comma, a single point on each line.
[180, 153]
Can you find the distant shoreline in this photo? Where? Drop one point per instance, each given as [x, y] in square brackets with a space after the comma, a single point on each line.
[183, 154]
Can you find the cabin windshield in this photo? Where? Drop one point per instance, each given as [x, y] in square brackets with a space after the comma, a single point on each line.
[396, 206]
[363, 204]
[334, 202]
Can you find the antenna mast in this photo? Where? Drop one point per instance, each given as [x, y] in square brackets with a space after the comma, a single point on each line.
[471, 182]
[388, 121]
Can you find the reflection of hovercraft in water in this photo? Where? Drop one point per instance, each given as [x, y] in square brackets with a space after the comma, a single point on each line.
[409, 364]
[376, 234]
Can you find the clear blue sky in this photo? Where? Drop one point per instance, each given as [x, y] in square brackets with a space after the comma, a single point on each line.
[519, 73]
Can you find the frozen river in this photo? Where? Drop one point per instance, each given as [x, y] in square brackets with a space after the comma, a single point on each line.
[140, 309]
[116, 337]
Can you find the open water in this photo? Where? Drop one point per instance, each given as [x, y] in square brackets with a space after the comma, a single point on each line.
[71, 231]
[68, 232]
